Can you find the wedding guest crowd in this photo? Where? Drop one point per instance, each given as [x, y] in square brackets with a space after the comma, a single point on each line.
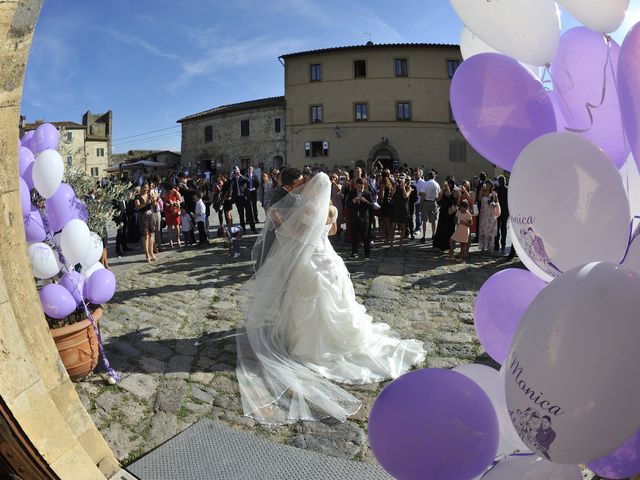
[374, 208]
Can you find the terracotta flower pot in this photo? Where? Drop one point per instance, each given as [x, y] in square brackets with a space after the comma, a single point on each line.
[78, 346]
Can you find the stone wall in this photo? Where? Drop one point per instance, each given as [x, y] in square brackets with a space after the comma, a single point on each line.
[33, 382]
[228, 147]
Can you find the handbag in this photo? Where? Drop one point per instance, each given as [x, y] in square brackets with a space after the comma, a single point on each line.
[452, 209]
[474, 210]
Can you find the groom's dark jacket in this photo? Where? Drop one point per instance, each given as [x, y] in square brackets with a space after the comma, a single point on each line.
[270, 236]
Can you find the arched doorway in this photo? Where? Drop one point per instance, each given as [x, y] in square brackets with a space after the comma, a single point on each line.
[385, 153]
[38, 402]
[277, 162]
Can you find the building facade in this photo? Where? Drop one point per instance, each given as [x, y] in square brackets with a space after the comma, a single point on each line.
[86, 146]
[243, 134]
[355, 105]
[136, 163]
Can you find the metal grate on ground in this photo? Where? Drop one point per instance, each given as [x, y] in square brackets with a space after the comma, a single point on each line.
[211, 451]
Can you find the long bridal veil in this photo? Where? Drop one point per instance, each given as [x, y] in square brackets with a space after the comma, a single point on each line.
[275, 388]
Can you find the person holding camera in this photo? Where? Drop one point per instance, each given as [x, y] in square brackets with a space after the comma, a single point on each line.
[400, 207]
[359, 206]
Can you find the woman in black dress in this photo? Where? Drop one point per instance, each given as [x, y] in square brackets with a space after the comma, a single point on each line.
[400, 208]
[447, 220]
[385, 193]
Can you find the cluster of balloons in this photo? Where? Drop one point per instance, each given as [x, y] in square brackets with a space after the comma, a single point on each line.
[565, 330]
[58, 236]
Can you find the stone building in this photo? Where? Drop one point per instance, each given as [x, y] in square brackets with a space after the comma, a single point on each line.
[85, 146]
[243, 134]
[136, 163]
[354, 105]
[345, 106]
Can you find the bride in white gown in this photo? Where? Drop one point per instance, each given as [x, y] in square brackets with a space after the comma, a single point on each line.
[303, 326]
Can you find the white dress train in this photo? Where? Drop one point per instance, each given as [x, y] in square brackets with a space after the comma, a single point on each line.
[304, 327]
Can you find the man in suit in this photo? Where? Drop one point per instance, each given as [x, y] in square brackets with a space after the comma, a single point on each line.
[238, 187]
[120, 219]
[503, 193]
[291, 179]
[359, 206]
[254, 184]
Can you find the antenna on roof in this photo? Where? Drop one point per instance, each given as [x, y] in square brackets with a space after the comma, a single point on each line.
[369, 42]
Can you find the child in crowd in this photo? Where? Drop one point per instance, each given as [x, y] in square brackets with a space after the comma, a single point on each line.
[464, 220]
[187, 227]
[200, 218]
[235, 234]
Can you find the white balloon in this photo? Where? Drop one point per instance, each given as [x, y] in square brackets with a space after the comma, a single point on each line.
[74, 241]
[492, 383]
[94, 251]
[525, 30]
[532, 467]
[471, 45]
[559, 185]
[43, 260]
[88, 271]
[572, 368]
[604, 16]
[47, 172]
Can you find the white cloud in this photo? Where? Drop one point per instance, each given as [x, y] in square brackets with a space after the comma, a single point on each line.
[141, 43]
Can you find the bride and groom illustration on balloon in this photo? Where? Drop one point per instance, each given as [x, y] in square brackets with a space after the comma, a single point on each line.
[303, 327]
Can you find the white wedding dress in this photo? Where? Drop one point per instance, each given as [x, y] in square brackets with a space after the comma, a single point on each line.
[304, 326]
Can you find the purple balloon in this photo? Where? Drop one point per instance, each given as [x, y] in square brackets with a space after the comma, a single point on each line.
[27, 140]
[25, 197]
[100, 286]
[25, 158]
[46, 137]
[629, 89]
[34, 226]
[25, 165]
[60, 207]
[578, 71]
[623, 462]
[56, 301]
[500, 305]
[500, 107]
[556, 100]
[433, 423]
[74, 282]
[79, 210]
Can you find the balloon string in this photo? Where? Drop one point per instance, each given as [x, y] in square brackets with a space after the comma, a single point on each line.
[503, 457]
[590, 106]
[632, 236]
[105, 361]
[557, 89]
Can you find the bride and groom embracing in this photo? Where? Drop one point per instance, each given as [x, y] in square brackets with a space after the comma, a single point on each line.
[303, 327]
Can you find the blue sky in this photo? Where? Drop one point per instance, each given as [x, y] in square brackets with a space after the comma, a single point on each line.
[152, 62]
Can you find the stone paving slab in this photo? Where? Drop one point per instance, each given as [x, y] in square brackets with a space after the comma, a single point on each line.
[171, 332]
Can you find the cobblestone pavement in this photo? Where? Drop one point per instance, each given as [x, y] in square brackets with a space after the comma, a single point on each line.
[170, 330]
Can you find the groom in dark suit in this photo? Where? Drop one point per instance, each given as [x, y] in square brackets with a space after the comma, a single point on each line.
[291, 179]
[359, 205]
